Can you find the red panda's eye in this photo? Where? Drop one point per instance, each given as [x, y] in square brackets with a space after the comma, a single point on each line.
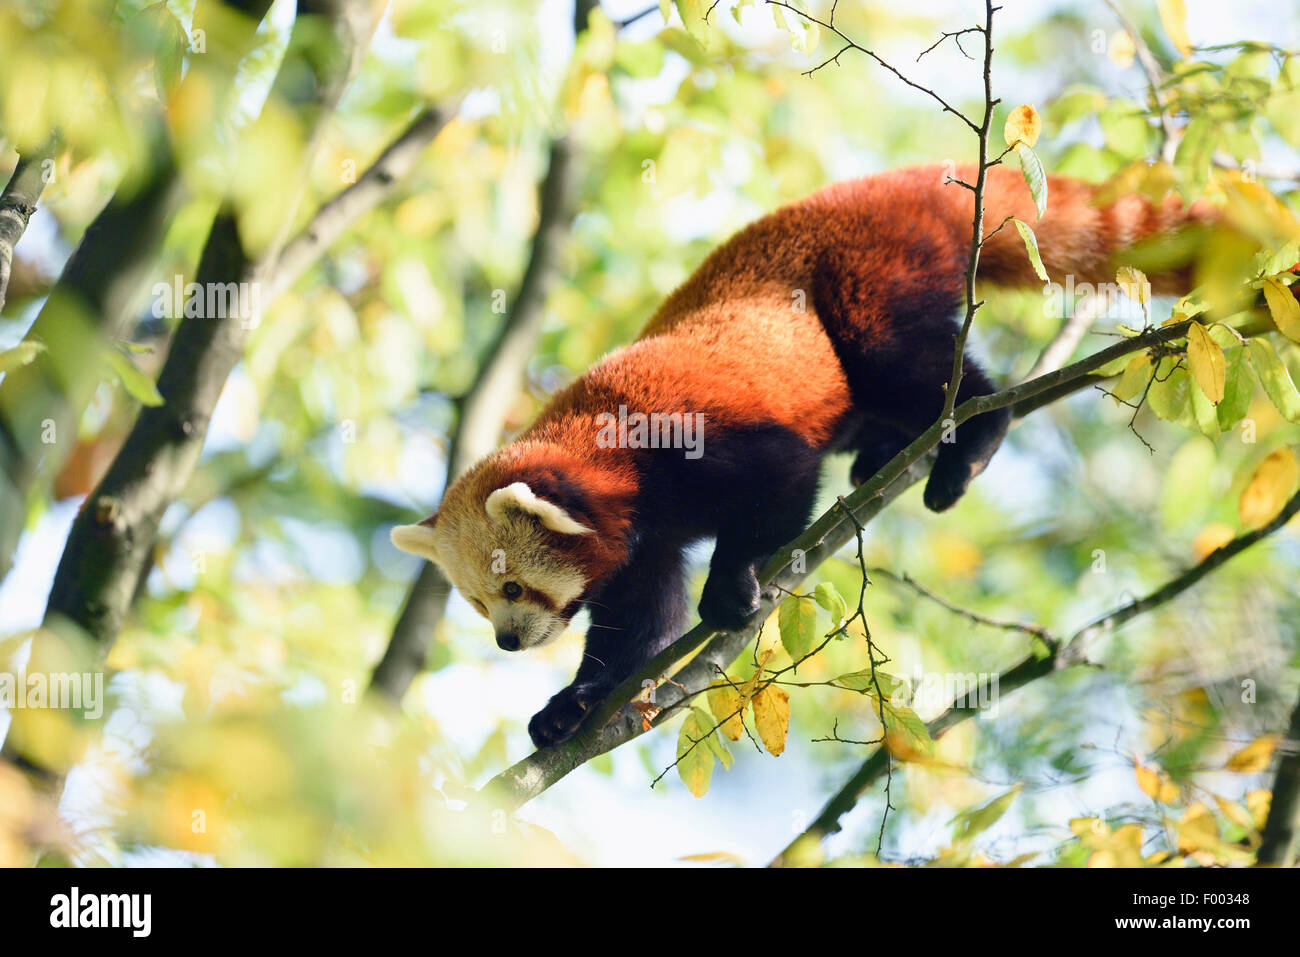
[511, 590]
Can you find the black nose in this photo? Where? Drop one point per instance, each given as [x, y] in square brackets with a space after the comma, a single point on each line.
[508, 642]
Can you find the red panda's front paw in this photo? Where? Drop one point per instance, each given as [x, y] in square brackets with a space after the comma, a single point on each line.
[563, 715]
[730, 605]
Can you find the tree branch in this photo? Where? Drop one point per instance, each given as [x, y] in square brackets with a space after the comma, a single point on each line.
[529, 777]
[17, 203]
[334, 218]
[97, 292]
[112, 536]
[1280, 842]
[1032, 668]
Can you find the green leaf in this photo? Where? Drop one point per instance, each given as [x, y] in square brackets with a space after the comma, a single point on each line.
[719, 748]
[171, 46]
[20, 355]
[797, 619]
[138, 385]
[1032, 169]
[1238, 388]
[1031, 247]
[1113, 367]
[695, 760]
[1170, 396]
[903, 720]
[1280, 259]
[693, 12]
[828, 596]
[1275, 378]
[1194, 154]
[972, 823]
[865, 683]
[1135, 378]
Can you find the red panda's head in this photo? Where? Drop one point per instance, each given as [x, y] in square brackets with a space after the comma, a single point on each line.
[524, 536]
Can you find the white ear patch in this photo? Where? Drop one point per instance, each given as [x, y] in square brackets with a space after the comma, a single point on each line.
[519, 495]
[415, 539]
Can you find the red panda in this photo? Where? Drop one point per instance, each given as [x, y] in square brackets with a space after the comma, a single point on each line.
[827, 325]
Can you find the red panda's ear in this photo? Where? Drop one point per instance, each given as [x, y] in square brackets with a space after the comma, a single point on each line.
[417, 539]
[518, 496]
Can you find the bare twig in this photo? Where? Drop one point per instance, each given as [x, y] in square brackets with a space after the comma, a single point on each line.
[849, 44]
[1028, 628]
[371, 188]
[951, 390]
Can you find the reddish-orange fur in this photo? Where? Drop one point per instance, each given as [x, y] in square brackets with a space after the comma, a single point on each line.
[732, 342]
[827, 324]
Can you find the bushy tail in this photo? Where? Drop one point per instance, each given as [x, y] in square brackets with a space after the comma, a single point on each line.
[1085, 235]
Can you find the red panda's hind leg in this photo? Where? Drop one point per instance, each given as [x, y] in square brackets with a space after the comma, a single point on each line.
[893, 332]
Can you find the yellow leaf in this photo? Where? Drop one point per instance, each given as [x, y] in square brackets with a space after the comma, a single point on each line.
[1133, 283]
[1155, 785]
[1088, 826]
[1121, 49]
[1148, 780]
[1283, 306]
[1211, 538]
[1258, 803]
[772, 717]
[1023, 126]
[694, 756]
[1205, 356]
[1269, 488]
[1197, 830]
[1173, 14]
[728, 707]
[1255, 756]
[1235, 813]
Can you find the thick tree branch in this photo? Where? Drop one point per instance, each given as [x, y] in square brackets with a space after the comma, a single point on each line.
[17, 203]
[1280, 845]
[111, 538]
[99, 288]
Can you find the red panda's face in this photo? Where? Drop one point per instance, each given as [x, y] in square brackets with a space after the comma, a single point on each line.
[500, 554]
